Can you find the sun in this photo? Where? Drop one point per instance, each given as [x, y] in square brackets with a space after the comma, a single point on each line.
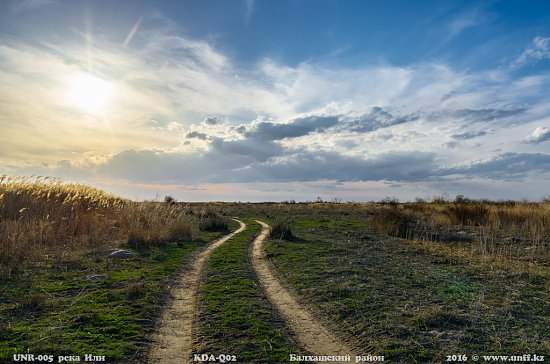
[89, 93]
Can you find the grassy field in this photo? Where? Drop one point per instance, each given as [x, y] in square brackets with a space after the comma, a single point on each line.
[414, 282]
[408, 299]
[58, 308]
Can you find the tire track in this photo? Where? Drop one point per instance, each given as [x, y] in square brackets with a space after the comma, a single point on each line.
[313, 336]
[174, 337]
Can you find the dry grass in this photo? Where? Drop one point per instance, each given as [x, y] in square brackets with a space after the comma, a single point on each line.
[509, 229]
[281, 230]
[41, 215]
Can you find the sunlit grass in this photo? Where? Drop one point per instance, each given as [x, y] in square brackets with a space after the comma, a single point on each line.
[40, 216]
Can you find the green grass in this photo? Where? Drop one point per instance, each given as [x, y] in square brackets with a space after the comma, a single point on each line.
[400, 299]
[52, 308]
[236, 318]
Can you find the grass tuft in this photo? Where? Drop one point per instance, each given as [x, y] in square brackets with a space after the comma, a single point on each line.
[281, 230]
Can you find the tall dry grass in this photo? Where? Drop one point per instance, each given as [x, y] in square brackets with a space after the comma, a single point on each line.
[42, 215]
[516, 230]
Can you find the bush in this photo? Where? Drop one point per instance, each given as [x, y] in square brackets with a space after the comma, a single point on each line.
[463, 211]
[170, 200]
[179, 232]
[281, 230]
[390, 201]
[137, 241]
[214, 223]
[391, 222]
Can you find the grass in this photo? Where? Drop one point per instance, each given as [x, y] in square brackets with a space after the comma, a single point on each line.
[412, 281]
[59, 295]
[412, 301]
[236, 318]
[56, 307]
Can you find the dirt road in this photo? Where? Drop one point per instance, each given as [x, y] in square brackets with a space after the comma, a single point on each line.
[173, 339]
[310, 332]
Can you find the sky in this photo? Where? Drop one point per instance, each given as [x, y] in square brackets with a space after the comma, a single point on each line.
[260, 100]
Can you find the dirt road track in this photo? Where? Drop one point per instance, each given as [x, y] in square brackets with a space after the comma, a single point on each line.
[173, 339]
[312, 335]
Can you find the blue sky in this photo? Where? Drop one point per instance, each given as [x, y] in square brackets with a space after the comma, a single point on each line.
[273, 100]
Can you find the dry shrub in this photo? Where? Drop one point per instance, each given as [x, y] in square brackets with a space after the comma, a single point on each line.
[179, 232]
[391, 221]
[437, 318]
[281, 230]
[214, 223]
[212, 220]
[463, 211]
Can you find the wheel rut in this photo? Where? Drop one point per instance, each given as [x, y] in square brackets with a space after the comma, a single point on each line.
[174, 337]
[313, 336]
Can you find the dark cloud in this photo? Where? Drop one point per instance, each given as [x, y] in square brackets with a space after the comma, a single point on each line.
[376, 119]
[469, 135]
[213, 120]
[240, 129]
[295, 128]
[248, 150]
[244, 161]
[307, 166]
[507, 166]
[196, 135]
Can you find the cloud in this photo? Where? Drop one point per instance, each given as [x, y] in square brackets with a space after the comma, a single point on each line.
[21, 6]
[295, 128]
[377, 118]
[468, 19]
[492, 114]
[506, 166]
[469, 135]
[539, 135]
[196, 134]
[213, 120]
[254, 161]
[539, 50]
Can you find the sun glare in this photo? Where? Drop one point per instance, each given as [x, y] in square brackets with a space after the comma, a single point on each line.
[89, 93]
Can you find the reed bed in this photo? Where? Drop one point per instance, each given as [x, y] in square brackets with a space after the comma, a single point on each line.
[40, 216]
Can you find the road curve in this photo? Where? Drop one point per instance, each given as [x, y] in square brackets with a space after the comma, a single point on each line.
[174, 337]
[313, 336]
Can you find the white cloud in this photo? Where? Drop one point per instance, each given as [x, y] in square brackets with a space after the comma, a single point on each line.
[539, 135]
[468, 19]
[539, 50]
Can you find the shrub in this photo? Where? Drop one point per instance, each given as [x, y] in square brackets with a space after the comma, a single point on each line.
[391, 222]
[281, 230]
[390, 201]
[463, 211]
[136, 240]
[179, 232]
[214, 223]
[169, 200]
